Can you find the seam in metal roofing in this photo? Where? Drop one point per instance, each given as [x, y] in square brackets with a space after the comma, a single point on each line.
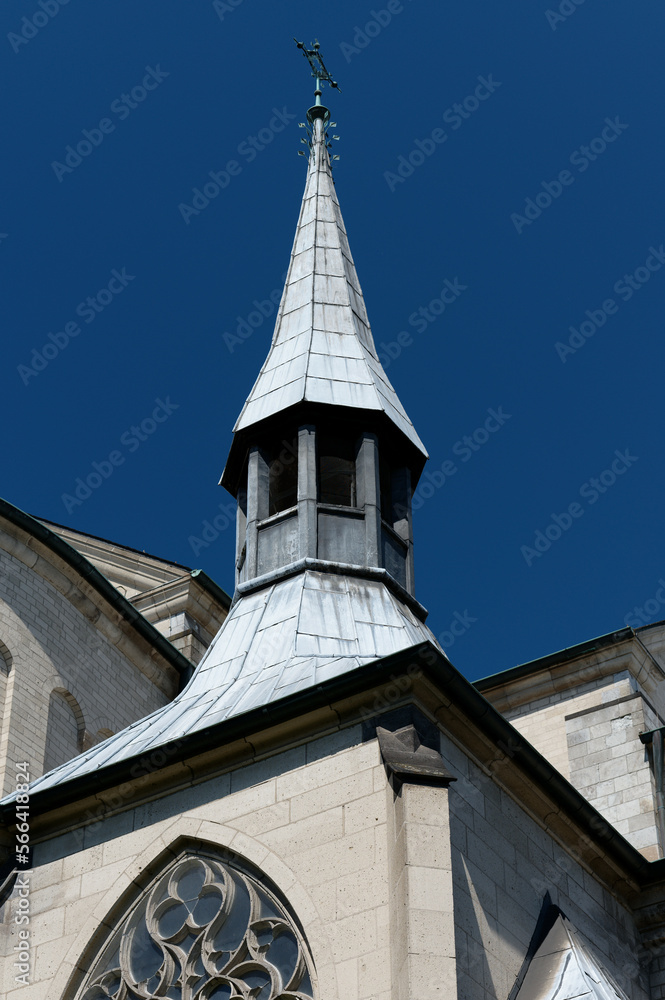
[284, 639]
[564, 969]
[322, 348]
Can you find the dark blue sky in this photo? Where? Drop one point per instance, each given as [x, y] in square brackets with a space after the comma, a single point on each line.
[538, 200]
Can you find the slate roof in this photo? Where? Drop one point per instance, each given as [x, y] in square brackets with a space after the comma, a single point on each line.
[282, 639]
[322, 348]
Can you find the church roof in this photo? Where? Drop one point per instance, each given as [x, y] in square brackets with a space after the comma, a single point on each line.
[283, 639]
[289, 635]
[322, 349]
[562, 968]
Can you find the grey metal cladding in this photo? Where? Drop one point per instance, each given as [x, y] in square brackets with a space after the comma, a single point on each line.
[322, 348]
[563, 968]
[283, 639]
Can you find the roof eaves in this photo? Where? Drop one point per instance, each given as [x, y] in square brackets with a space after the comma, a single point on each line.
[553, 659]
[107, 541]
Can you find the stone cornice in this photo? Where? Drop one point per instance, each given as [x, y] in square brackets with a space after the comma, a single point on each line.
[572, 668]
[185, 594]
[123, 566]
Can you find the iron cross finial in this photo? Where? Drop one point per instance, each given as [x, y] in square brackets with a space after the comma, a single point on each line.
[318, 67]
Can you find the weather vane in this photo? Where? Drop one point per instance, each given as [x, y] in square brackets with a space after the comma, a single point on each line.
[321, 75]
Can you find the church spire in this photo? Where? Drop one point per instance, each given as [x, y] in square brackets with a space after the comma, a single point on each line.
[324, 458]
[322, 349]
[323, 463]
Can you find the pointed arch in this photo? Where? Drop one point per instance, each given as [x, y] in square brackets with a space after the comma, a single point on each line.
[65, 728]
[201, 915]
[5, 669]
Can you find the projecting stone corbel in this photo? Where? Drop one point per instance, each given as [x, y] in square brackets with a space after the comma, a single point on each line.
[408, 748]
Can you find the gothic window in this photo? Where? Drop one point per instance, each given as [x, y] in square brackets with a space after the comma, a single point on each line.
[203, 930]
[336, 470]
[283, 476]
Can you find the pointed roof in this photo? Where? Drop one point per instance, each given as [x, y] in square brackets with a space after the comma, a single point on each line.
[562, 968]
[288, 636]
[322, 348]
[283, 639]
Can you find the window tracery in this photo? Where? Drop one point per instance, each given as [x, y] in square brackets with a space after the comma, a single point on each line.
[204, 930]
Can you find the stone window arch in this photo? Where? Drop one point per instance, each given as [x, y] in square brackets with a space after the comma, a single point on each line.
[206, 927]
[5, 668]
[65, 729]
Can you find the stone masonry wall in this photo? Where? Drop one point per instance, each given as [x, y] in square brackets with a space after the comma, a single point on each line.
[592, 738]
[62, 732]
[53, 645]
[315, 820]
[503, 864]
[657, 977]
[610, 767]
[543, 722]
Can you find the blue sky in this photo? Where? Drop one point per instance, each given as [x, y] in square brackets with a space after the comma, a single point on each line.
[501, 183]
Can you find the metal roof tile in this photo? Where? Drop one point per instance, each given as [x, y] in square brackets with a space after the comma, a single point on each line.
[322, 293]
[336, 344]
[339, 368]
[324, 613]
[262, 653]
[302, 265]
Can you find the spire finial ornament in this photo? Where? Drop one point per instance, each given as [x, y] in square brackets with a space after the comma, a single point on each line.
[321, 75]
